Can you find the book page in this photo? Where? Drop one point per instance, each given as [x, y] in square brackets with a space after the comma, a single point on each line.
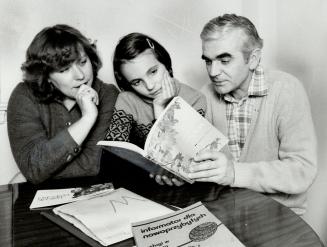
[108, 218]
[192, 226]
[179, 134]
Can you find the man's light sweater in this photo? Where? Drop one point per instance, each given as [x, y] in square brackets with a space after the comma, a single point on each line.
[279, 156]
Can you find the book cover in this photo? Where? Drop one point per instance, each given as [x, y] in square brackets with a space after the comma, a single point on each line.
[192, 226]
[46, 198]
[108, 218]
[176, 137]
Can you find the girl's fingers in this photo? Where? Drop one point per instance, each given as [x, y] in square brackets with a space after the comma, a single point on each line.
[167, 180]
[159, 180]
[177, 182]
[167, 86]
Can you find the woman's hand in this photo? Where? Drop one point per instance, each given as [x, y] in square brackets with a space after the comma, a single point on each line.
[87, 100]
[168, 91]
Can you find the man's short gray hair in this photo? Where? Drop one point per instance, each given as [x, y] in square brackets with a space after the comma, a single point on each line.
[227, 22]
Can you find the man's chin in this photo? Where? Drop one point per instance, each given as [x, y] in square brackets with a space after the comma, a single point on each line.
[220, 90]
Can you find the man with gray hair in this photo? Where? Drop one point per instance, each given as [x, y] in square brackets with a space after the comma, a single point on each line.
[265, 114]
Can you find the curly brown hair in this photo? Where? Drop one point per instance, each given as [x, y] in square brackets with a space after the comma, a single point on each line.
[52, 49]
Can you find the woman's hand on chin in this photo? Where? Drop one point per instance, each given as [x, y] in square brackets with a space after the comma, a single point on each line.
[87, 100]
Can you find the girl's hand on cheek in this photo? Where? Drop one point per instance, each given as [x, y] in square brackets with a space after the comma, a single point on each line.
[168, 91]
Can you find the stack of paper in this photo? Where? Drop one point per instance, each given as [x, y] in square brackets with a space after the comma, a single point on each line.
[108, 218]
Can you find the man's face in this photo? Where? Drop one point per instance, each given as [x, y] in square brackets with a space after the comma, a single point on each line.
[226, 66]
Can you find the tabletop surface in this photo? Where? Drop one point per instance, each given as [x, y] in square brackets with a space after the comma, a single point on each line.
[254, 218]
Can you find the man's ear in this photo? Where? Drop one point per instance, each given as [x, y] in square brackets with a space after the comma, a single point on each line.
[254, 58]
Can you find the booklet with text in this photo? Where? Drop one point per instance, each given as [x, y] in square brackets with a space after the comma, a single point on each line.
[46, 198]
[175, 138]
[192, 226]
[108, 218]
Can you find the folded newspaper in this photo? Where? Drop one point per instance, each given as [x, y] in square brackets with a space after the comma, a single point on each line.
[46, 198]
[108, 218]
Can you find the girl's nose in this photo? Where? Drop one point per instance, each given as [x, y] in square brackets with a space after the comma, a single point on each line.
[149, 84]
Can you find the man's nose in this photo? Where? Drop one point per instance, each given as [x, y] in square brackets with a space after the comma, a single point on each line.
[214, 69]
[78, 72]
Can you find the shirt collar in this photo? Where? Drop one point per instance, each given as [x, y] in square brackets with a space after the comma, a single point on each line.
[257, 88]
[258, 85]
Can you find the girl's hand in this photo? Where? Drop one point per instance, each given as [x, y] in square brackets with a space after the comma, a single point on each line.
[87, 99]
[165, 180]
[168, 91]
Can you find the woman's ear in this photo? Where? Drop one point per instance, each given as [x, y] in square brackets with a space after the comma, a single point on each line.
[254, 58]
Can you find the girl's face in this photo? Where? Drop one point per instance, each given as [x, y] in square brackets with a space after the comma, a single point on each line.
[70, 78]
[145, 74]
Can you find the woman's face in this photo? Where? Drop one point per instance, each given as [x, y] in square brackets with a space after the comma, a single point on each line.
[145, 74]
[70, 78]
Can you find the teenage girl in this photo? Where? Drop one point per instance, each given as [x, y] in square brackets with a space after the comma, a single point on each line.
[143, 71]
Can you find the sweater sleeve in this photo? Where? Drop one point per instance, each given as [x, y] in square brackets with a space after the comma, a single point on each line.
[194, 97]
[200, 104]
[40, 157]
[87, 162]
[296, 167]
[120, 126]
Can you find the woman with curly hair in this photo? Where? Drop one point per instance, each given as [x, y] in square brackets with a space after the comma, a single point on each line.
[61, 109]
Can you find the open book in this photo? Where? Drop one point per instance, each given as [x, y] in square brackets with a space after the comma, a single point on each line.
[107, 219]
[194, 225]
[176, 137]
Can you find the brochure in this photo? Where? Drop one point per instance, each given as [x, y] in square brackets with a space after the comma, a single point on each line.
[192, 226]
[46, 198]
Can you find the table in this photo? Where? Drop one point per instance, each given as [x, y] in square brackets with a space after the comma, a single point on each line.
[254, 218]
